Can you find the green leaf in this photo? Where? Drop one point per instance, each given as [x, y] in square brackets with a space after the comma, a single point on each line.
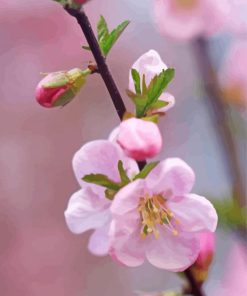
[144, 85]
[137, 80]
[102, 180]
[146, 170]
[130, 94]
[123, 175]
[102, 29]
[159, 104]
[109, 40]
[140, 105]
[158, 85]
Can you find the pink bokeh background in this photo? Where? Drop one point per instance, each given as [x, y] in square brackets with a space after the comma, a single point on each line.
[38, 254]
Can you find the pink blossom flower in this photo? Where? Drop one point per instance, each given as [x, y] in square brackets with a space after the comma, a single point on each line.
[140, 139]
[233, 75]
[186, 19]
[88, 208]
[59, 88]
[151, 64]
[157, 218]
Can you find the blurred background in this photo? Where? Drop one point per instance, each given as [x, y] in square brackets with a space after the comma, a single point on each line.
[38, 254]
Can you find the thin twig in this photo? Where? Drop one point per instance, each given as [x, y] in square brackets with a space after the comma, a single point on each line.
[221, 122]
[85, 25]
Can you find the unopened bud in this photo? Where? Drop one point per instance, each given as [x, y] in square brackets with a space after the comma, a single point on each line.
[201, 266]
[59, 88]
[140, 139]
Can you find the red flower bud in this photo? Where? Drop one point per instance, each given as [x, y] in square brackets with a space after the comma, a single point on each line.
[59, 88]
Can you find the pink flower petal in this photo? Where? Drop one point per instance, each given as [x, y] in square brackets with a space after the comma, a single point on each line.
[150, 64]
[114, 134]
[167, 97]
[127, 198]
[126, 244]
[86, 211]
[99, 243]
[101, 157]
[195, 213]
[172, 177]
[173, 253]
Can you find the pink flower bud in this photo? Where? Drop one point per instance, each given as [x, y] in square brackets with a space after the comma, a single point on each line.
[59, 88]
[207, 246]
[139, 139]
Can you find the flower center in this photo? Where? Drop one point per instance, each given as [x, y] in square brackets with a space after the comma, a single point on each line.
[153, 212]
[186, 4]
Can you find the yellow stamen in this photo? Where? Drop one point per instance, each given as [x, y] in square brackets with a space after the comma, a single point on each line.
[153, 212]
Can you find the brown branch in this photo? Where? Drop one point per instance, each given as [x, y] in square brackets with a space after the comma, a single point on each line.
[85, 25]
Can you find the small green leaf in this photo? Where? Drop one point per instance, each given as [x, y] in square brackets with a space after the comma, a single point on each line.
[102, 29]
[102, 180]
[123, 175]
[130, 94]
[144, 85]
[146, 170]
[137, 80]
[140, 105]
[107, 43]
[158, 85]
[159, 104]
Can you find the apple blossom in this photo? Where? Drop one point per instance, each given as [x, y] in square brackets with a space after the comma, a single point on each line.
[233, 76]
[187, 19]
[88, 208]
[157, 218]
[151, 64]
[140, 139]
[59, 88]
